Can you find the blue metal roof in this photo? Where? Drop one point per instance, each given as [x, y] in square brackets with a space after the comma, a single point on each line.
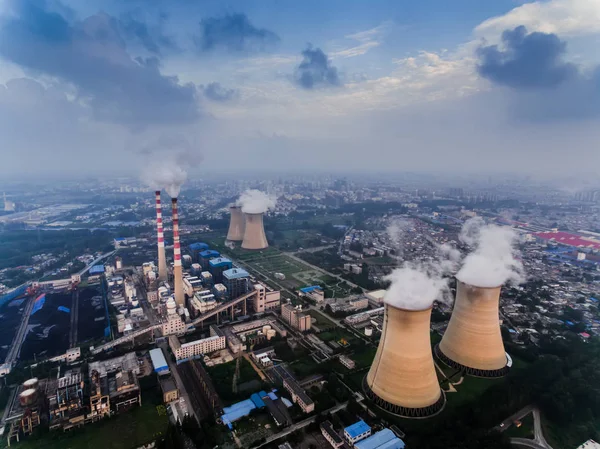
[97, 269]
[258, 402]
[235, 273]
[310, 289]
[396, 443]
[199, 246]
[210, 253]
[356, 429]
[376, 440]
[219, 261]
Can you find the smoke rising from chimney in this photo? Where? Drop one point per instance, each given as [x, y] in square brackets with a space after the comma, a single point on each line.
[493, 261]
[166, 174]
[256, 202]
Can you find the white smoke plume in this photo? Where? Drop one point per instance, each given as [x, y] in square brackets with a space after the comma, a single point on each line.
[397, 230]
[416, 285]
[493, 260]
[256, 202]
[166, 174]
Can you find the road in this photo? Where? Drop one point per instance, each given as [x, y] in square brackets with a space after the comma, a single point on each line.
[504, 425]
[539, 442]
[301, 424]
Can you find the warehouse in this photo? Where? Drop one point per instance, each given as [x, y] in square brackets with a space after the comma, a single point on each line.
[158, 361]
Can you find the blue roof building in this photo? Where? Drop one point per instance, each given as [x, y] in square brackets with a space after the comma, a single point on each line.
[384, 439]
[357, 431]
[199, 246]
[217, 266]
[236, 281]
[97, 269]
[158, 361]
[235, 273]
[310, 289]
[220, 262]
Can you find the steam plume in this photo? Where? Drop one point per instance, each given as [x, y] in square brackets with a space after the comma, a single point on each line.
[256, 202]
[493, 260]
[166, 174]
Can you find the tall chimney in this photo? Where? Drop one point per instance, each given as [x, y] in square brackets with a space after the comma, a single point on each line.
[402, 379]
[473, 341]
[178, 270]
[236, 224]
[254, 234]
[162, 259]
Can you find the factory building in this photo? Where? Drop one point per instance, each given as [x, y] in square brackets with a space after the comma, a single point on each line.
[314, 292]
[169, 389]
[207, 279]
[473, 342]
[295, 317]
[266, 299]
[173, 324]
[206, 256]
[196, 348]
[347, 362]
[114, 385]
[196, 249]
[220, 292]
[217, 266]
[298, 394]
[331, 435]
[357, 431]
[384, 439]
[236, 281]
[159, 362]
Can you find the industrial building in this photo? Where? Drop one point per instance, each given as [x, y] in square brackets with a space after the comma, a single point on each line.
[196, 249]
[347, 362]
[298, 394]
[158, 361]
[295, 317]
[357, 431]
[402, 379]
[236, 281]
[192, 349]
[472, 342]
[384, 439]
[266, 299]
[314, 292]
[331, 435]
[254, 232]
[169, 389]
[206, 256]
[114, 385]
[216, 267]
[237, 224]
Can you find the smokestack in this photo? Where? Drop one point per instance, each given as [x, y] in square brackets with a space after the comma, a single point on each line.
[254, 234]
[402, 379]
[236, 224]
[178, 270]
[473, 342]
[162, 259]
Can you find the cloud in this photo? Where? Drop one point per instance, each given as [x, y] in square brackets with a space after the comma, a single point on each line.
[316, 70]
[565, 17]
[152, 38]
[91, 56]
[367, 40]
[216, 92]
[528, 60]
[233, 33]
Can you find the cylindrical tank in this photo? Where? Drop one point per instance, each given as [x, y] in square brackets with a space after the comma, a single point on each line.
[368, 331]
[402, 379]
[254, 234]
[271, 333]
[31, 384]
[265, 329]
[28, 397]
[473, 341]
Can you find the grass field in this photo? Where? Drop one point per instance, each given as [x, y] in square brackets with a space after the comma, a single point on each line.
[364, 357]
[128, 430]
[322, 320]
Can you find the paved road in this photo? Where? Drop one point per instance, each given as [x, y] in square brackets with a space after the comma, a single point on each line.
[539, 442]
[300, 425]
[526, 443]
[514, 417]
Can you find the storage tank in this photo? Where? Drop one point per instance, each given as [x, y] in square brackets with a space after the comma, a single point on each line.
[28, 397]
[402, 379]
[473, 341]
[265, 329]
[271, 333]
[31, 384]
[368, 331]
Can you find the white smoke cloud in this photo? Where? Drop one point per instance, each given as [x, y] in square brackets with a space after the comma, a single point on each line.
[493, 261]
[396, 231]
[416, 285]
[166, 174]
[256, 202]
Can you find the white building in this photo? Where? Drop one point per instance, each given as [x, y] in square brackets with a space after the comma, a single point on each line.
[196, 348]
[266, 299]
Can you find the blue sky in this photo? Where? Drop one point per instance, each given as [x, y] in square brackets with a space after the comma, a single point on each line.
[345, 85]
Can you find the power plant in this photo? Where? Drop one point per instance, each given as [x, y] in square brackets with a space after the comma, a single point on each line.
[402, 379]
[177, 268]
[254, 234]
[473, 342]
[162, 259]
[236, 224]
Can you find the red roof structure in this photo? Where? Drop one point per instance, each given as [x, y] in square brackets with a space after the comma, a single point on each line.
[564, 238]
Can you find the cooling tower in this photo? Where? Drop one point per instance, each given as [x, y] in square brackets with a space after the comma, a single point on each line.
[473, 342]
[236, 224]
[177, 268]
[402, 379]
[254, 234]
[162, 259]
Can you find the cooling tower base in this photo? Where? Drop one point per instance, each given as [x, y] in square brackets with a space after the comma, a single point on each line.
[475, 372]
[405, 412]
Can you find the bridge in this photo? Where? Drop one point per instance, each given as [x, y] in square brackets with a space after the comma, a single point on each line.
[199, 320]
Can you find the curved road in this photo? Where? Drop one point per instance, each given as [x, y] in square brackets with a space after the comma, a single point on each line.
[538, 442]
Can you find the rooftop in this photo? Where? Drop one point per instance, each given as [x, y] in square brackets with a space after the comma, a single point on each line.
[379, 439]
[356, 429]
[235, 273]
[219, 261]
[311, 288]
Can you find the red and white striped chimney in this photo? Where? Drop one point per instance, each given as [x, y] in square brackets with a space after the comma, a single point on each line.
[162, 258]
[177, 270]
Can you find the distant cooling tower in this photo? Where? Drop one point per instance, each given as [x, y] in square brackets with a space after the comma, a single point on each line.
[473, 342]
[402, 379]
[254, 234]
[162, 259]
[236, 224]
[177, 268]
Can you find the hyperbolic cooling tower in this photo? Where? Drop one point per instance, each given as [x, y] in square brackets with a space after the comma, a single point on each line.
[236, 224]
[177, 268]
[162, 259]
[254, 234]
[402, 379]
[473, 342]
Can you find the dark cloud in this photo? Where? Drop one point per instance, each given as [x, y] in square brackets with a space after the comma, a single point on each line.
[547, 88]
[527, 61]
[316, 70]
[234, 33]
[152, 38]
[216, 92]
[91, 56]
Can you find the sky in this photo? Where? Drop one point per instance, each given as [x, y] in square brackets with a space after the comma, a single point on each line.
[101, 87]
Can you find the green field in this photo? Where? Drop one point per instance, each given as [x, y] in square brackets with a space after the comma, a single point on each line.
[128, 430]
[322, 320]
